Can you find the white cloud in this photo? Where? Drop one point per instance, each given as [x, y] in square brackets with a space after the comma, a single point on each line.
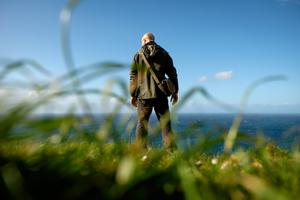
[296, 2]
[202, 79]
[224, 75]
[10, 97]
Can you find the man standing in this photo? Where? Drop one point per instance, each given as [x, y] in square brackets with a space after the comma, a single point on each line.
[145, 94]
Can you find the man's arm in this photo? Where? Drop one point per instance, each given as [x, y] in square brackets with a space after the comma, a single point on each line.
[133, 80]
[172, 74]
[133, 77]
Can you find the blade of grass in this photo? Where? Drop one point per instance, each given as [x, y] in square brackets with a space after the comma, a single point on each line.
[232, 133]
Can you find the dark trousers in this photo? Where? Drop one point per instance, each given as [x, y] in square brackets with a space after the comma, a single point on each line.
[161, 108]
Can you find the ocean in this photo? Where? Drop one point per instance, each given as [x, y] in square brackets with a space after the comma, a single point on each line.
[210, 129]
[281, 129]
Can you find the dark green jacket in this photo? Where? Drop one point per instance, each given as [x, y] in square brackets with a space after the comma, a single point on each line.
[142, 85]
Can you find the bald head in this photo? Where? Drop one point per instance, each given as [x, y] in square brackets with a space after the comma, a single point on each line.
[147, 37]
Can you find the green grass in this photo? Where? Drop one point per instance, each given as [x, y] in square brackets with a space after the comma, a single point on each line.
[81, 169]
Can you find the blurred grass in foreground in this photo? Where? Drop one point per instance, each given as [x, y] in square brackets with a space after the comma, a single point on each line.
[60, 158]
[80, 169]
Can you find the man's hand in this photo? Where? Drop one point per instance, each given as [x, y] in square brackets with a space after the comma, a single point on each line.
[174, 98]
[133, 101]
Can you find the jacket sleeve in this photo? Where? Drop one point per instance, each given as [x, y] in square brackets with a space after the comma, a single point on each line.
[133, 85]
[171, 72]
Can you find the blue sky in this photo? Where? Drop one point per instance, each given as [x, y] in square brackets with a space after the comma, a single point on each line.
[221, 45]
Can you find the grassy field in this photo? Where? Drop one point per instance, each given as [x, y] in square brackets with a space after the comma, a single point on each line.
[81, 169]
